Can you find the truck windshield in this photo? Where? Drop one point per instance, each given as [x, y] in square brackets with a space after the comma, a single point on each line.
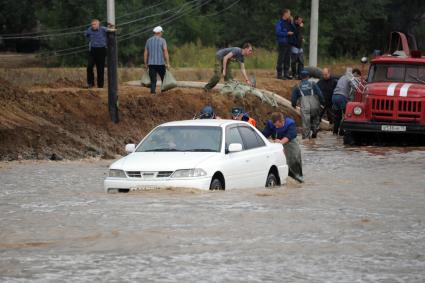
[397, 73]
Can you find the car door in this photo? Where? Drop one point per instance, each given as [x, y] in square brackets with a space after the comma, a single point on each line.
[256, 156]
[234, 165]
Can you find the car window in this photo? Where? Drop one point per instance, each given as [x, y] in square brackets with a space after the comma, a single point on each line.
[250, 137]
[183, 138]
[233, 136]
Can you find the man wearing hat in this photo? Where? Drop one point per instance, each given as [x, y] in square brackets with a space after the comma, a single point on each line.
[238, 113]
[310, 98]
[156, 56]
[207, 113]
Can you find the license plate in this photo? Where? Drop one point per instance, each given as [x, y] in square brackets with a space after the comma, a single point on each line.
[391, 128]
[145, 188]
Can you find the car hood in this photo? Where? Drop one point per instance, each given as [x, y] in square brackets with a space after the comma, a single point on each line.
[161, 161]
[412, 90]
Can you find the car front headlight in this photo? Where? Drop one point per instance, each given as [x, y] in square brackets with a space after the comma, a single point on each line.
[115, 173]
[189, 173]
[357, 110]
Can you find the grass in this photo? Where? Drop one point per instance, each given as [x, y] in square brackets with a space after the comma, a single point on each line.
[194, 55]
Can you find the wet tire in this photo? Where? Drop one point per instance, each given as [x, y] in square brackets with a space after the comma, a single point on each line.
[353, 139]
[271, 181]
[216, 185]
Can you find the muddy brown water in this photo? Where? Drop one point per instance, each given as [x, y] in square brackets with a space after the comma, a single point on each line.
[358, 218]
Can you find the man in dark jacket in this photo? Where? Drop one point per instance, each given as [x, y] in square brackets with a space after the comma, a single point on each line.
[96, 34]
[283, 130]
[297, 53]
[284, 30]
[327, 85]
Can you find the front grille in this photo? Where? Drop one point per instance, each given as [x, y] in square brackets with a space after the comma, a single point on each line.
[409, 109]
[382, 104]
[134, 174]
[164, 174]
[149, 175]
[391, 109]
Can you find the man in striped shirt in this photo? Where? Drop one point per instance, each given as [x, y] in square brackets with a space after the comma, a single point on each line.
[156, 56]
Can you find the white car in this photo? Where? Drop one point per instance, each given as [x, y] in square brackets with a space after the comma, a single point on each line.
[202, 154]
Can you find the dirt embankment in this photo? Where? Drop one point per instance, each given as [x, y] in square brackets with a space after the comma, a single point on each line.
[72, 122]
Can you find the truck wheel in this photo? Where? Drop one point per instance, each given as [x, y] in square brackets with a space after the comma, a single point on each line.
[349, 139]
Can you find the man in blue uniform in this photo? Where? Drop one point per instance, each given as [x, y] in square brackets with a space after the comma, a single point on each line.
[311, 98]
[283, 130]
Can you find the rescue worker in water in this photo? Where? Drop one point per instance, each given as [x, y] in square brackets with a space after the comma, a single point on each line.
[283, 130]
[238, 113]
[311, 99]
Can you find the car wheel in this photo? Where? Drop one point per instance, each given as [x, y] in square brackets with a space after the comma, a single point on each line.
[271, 181]
[216, 185]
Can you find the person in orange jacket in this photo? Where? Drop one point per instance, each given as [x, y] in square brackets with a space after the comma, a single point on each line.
[239, 114]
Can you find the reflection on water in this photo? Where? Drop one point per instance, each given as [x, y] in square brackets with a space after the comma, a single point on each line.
[358, 217]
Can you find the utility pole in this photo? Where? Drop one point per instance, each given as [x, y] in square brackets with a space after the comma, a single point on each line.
[112, 63]
[314, 30]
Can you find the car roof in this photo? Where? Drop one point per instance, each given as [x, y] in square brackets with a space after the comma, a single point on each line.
[203, 122]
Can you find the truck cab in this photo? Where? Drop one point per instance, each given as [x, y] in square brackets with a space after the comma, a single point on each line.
[391, 99]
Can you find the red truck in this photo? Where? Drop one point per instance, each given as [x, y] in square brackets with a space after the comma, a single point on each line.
[391, 99]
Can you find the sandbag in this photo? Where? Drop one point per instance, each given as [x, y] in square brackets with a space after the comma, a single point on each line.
[236, 88]
[146, 80]
[169, 81]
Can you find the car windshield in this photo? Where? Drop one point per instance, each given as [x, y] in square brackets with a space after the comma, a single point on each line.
[183, 138]
[397, 73]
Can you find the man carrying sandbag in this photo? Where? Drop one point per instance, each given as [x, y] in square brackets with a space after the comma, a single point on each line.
[156, 57]
[222, 64]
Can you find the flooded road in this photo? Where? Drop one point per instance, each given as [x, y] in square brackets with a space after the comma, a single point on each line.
[360, 217]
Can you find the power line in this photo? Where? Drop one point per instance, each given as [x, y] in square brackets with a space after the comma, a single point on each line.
[154, 15]
[180, 12]
[60, 32]
[170, 19]
[129, 35]
[222, 10]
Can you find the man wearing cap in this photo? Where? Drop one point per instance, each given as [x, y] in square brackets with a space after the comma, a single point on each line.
[239, 114]
[156, 56]
[207, 113]
[311, 98]
[222, 64]
[96, 34]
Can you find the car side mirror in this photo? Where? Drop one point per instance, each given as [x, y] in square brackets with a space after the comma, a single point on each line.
[364, 60]
[130, 148]
[235, 147]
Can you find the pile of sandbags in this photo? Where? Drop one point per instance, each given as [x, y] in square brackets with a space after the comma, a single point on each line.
[236, 88]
